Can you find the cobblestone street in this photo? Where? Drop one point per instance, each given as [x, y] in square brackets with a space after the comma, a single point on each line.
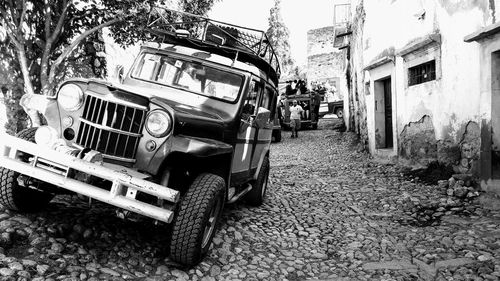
[331, 213]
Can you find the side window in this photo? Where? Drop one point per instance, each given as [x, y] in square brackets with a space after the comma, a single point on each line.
[250, 107]
[267, 100]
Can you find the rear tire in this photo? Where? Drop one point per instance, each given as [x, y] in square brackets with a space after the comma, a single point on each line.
[255, 197]
[20, 198]
[196, 221]
[340, 113]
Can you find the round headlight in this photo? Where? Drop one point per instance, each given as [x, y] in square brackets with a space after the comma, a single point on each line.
[70, 97]
[46, 136]
[158, 123]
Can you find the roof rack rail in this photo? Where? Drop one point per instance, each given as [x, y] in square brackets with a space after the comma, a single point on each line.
[179, 26]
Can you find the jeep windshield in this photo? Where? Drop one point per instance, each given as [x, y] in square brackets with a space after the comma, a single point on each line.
[188, 75]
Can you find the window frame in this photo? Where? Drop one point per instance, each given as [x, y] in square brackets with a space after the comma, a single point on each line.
[422, 73]
[186, 59]
[421, 56]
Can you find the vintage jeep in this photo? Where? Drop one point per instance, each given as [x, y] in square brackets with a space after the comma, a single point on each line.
[185, 131]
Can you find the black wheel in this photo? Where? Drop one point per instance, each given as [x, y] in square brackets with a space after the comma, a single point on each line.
[339, 112]
[20, 198]
[196, 220]
[255, 197]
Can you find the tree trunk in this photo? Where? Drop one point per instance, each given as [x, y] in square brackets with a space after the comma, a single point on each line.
[28, 87]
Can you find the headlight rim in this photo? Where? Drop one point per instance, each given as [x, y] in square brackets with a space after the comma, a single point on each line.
[80, 97]
[169, 118]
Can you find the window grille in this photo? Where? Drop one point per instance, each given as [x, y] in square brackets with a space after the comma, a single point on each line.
[422, 73]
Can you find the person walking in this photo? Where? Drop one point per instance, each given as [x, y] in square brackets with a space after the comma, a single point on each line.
[295, 113]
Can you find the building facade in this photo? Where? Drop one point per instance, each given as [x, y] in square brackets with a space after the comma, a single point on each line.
[423, 82]
[324, 62]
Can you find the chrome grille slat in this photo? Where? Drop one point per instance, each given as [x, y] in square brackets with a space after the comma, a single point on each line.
[132, 121]
[104, 128]
[107, 128]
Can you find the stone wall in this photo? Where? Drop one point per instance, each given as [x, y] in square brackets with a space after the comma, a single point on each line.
[326, 67]
[417, 141]
[320, 41]
[324, 62]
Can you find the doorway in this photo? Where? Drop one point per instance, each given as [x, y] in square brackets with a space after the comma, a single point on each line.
[383, 114]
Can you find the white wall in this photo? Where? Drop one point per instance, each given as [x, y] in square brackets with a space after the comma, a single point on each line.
[451, 100]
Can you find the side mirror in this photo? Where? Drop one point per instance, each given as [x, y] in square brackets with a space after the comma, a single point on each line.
[119, 73]
[262, 117]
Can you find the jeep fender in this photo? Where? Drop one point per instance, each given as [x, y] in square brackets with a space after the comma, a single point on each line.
[265, 152]
[197, 151]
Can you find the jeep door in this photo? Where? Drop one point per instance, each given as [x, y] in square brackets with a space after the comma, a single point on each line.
[251, 140]
[264, 134]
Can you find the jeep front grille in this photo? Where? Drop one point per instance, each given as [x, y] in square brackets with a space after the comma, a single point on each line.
[111, 128]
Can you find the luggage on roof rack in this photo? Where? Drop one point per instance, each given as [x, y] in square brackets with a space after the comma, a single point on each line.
[179, 26]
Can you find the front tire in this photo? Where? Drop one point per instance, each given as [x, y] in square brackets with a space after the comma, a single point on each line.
[255, 197]
[196, 221]
[20, 198]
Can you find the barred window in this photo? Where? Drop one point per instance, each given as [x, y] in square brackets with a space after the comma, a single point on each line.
[422, 73]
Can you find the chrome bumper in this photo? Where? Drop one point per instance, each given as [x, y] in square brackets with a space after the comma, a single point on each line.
[123, 182]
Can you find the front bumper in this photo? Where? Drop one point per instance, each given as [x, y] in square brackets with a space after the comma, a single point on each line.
[125, 183]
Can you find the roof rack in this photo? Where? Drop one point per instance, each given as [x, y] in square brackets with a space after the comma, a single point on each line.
[246, 44]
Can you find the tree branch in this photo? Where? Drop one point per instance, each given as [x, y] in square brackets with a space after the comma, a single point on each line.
[49, 42]
[13, 38]
[67, 51]
[48, 18]
[23, 14]
[60, 22]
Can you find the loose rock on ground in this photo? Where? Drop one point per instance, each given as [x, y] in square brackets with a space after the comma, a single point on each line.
[331, 213]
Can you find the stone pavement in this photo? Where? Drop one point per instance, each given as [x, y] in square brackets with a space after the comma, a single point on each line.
[332, 213]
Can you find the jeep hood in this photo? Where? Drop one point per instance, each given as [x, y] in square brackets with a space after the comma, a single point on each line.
[196, 119]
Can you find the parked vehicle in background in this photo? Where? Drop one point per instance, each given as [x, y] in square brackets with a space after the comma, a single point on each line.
[310, 102]
[185, 131]
[336, 107]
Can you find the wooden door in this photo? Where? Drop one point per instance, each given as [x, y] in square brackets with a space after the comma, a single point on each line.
[388, 113]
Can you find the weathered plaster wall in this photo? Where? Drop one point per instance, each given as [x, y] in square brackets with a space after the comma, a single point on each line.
[489, 104]
[450, 102]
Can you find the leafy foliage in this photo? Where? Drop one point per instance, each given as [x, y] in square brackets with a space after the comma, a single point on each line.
[51, 40]
[278, 35]
[11, 90]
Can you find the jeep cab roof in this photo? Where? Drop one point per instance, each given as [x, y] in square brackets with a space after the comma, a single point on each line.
[238, 43]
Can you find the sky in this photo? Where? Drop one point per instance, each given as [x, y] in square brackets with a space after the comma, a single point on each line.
[298, 15]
